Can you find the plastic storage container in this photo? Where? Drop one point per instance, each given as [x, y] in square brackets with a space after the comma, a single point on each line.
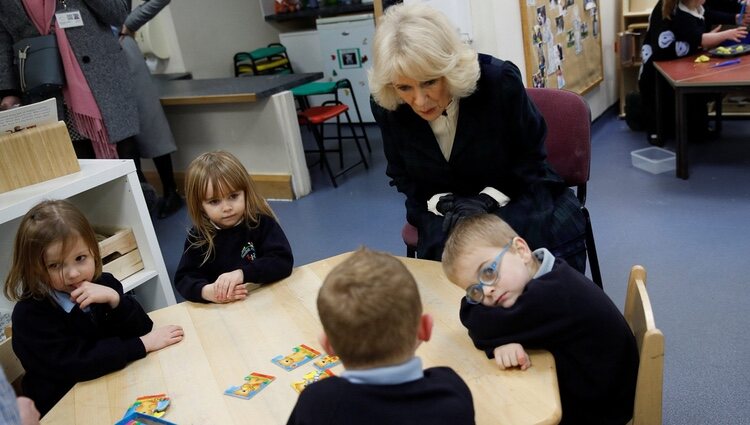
[654, 160]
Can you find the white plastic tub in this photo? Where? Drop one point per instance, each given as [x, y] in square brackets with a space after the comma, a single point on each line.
[654, 160]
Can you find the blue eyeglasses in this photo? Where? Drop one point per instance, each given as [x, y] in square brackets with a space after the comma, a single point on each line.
[487, 277]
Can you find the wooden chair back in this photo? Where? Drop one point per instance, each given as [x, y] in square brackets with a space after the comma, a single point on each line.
[647, 409]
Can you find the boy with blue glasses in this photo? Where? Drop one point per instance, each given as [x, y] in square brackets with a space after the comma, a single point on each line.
[518, 299]
[372, 317]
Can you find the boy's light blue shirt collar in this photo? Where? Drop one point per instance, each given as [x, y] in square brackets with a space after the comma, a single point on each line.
[409, 371]
[63, 300]
[546, 259]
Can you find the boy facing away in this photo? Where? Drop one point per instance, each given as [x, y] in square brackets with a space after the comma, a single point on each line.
[517, 298]
[372, 319]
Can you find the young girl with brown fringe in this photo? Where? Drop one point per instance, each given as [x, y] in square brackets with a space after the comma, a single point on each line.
[235, 237]
[71, 321]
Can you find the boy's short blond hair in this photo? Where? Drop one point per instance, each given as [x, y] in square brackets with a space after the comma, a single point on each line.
[370, 309]
[479, 230]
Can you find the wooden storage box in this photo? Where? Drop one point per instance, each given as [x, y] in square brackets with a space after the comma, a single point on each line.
[36, 154]
[119, 251]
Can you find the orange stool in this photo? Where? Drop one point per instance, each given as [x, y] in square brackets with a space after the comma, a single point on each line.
[315, 118]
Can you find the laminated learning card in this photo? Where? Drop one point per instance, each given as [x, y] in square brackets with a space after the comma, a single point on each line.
[311, 377]
[326, 362]
[255, 383]
[136, 418]
[152, 405]
[301, 354]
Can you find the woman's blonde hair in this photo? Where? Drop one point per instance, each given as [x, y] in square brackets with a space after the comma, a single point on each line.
[226, 174]
[418, 42]
[46, 223]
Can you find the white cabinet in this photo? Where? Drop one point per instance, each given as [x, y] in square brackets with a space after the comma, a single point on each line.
[108, 193]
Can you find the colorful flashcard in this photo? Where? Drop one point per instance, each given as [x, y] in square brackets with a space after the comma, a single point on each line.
[328, 361]
[255, 383]
[136, 418]
[301, 354]
[152, 405]
[311, 377]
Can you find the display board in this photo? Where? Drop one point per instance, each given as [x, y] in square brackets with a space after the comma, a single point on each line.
[562, 43]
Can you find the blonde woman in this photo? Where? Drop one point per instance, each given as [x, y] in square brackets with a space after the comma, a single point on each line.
[462, 138]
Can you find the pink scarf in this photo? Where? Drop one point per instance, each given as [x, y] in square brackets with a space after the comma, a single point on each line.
[78, 97]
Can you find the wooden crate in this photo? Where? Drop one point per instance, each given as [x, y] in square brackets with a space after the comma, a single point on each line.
[119, 251]
[36, 154]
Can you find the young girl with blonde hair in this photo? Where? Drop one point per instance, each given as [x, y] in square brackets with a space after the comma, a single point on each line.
[235, 237]
[71, 322]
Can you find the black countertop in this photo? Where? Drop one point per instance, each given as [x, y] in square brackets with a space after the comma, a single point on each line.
[229, 90]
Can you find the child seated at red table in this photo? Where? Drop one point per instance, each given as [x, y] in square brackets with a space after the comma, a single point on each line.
[679, 28]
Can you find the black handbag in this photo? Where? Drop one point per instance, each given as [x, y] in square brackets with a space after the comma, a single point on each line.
[39, 65]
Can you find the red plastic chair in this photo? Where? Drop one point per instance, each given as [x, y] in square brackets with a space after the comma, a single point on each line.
[568, 147]
[315, 118]
[317, 88]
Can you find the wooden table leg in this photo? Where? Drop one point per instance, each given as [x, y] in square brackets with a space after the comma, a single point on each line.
[660, 134]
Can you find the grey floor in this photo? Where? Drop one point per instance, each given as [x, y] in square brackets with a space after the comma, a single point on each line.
[691, 235]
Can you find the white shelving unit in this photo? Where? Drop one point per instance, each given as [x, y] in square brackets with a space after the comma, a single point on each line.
[108, 193]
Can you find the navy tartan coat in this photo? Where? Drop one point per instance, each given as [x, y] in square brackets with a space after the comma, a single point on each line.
[499, 142]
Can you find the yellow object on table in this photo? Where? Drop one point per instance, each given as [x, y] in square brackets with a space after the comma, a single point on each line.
[702, 59]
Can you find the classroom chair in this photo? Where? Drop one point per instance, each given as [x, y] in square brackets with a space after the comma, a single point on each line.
[315, 118]
[647, 409]
[568, 147]
[271, 59]
[10, 363]
[317, 88]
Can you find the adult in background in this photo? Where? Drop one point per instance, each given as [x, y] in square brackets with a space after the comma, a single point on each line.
[97, 100]
[461, 137]
[154, 139]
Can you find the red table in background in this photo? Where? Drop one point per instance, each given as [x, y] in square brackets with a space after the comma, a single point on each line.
[687, 77]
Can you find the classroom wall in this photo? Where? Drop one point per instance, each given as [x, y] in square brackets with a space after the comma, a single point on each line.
[209, 34]
[497, 31]
[163, 26]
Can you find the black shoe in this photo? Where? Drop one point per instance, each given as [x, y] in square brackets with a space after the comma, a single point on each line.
[654, 140]
[712, 133]
[170, 204]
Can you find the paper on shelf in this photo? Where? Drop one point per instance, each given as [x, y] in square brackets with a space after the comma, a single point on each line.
[23, 117]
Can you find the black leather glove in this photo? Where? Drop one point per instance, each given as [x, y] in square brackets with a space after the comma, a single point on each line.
[445, 203]
[467, 207]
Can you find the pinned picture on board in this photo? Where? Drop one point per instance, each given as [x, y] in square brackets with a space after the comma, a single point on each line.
[560, 24]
